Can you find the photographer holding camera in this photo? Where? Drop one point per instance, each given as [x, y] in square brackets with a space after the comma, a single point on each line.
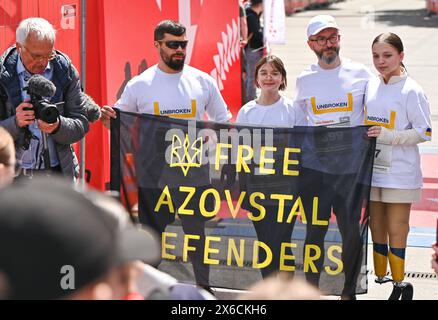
[41, 101]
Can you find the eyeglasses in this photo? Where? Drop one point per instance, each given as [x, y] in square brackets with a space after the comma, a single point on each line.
[40, 58]
[175, 44]
[323, 41]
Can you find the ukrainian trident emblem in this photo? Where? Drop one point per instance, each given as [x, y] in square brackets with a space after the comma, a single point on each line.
[186, 155]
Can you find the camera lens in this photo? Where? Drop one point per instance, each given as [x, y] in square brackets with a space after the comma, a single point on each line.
[49, 113]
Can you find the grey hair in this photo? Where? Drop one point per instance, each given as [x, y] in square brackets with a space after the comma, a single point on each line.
[38, 27]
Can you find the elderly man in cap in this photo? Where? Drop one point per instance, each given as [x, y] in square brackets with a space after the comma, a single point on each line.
[57, 243]
[331, 93]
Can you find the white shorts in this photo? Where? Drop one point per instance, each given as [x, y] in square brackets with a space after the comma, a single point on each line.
[390, 195]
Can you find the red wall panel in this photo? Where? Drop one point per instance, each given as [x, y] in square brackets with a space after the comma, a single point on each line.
[68, 27]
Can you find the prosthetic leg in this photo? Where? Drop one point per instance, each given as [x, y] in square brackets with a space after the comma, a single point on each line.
[380, 259]
[396, 257]
[405, 290]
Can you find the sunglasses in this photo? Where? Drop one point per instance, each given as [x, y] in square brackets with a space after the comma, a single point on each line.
[175, 44]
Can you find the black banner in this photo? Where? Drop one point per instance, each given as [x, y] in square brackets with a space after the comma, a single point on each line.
[234, 204]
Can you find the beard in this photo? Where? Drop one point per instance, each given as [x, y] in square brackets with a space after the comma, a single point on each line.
[174, 64]
[328, 59]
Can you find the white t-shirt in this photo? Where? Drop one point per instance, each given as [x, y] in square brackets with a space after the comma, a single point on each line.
[281, 114]
[333, 97]
[399, 105]
[188, 94]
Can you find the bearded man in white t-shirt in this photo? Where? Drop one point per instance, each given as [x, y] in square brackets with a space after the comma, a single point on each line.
[173, 89]
[331, 93]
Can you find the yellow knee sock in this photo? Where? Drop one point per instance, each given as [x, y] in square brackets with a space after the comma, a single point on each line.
[397, 263]
[380, 255]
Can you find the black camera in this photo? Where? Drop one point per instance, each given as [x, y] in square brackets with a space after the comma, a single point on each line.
[39, 87]
[44, 110]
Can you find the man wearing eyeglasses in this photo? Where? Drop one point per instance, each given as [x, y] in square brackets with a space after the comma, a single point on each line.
[34, 54]
[331, 93]
[173, 89]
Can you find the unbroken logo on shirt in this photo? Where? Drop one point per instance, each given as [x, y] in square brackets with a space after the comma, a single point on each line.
[381, 121]
[176, 113]
[334, 106]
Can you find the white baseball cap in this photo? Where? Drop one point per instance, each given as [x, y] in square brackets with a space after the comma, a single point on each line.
[319, 23]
